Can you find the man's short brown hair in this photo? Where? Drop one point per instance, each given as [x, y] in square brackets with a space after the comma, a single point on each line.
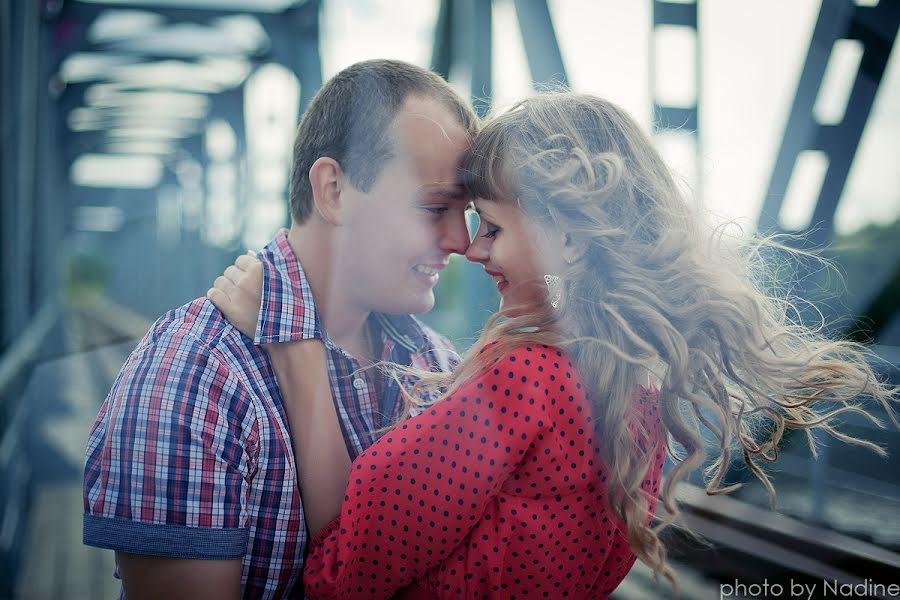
[349, 120]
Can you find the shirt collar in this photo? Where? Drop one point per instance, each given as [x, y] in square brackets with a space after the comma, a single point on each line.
[405, 330]
[288, 310]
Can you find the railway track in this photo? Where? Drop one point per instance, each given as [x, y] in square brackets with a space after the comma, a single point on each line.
[744, 551]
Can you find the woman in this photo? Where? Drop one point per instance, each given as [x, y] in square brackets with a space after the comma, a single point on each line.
[536, 472]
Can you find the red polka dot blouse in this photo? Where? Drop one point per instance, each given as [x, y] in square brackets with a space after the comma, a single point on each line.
[494, 492]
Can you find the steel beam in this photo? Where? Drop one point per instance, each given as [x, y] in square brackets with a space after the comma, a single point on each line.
[541, 46]
[442, 48]
[294, 36]
[682, 118]
[875, 28]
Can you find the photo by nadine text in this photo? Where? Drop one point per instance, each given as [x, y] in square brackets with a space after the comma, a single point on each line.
[826, 588]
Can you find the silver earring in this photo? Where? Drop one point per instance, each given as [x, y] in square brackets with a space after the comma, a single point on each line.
[554, 289]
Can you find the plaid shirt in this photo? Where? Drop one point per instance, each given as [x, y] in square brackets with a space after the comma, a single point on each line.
[191, 455]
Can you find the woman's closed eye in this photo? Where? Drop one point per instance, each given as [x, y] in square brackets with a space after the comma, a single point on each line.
[490, 230]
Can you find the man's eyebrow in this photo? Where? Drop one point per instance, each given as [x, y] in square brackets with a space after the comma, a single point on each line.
[448, 192]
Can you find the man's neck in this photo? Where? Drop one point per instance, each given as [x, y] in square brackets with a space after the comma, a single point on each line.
[344, 321]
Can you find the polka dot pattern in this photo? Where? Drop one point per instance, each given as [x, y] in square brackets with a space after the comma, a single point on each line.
[495, 492]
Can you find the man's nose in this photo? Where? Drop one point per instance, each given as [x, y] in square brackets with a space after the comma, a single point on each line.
[455, 235]
[477, 252]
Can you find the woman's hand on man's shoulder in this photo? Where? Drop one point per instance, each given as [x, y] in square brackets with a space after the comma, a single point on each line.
[237, 293]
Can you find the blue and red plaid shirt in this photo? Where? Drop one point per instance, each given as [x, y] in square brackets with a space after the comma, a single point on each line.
[191, 455]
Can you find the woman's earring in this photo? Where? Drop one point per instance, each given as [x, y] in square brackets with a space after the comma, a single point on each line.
[554, 288]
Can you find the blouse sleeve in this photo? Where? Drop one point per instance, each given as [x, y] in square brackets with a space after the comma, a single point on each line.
[414, 495]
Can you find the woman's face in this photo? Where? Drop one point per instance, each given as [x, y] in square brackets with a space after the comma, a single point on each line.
[515, 252]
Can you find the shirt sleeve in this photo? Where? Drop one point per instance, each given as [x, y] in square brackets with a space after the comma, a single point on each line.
[414, 495]
[170, 456]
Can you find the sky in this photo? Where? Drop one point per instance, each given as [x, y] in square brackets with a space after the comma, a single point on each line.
[751, 55]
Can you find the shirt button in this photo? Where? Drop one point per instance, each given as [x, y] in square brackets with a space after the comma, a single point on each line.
[359, 383]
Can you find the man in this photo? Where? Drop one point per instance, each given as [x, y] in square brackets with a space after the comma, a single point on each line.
[190, 475]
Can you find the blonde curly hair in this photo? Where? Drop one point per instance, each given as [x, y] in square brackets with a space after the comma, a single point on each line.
[657, 290]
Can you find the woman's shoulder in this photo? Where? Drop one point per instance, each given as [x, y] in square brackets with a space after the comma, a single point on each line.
[533, 363]
[517, 351]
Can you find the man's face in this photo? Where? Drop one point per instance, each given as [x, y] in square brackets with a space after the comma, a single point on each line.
[398, 236]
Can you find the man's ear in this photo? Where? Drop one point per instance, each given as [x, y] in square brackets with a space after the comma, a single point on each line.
[326, 178]
[573, 250]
